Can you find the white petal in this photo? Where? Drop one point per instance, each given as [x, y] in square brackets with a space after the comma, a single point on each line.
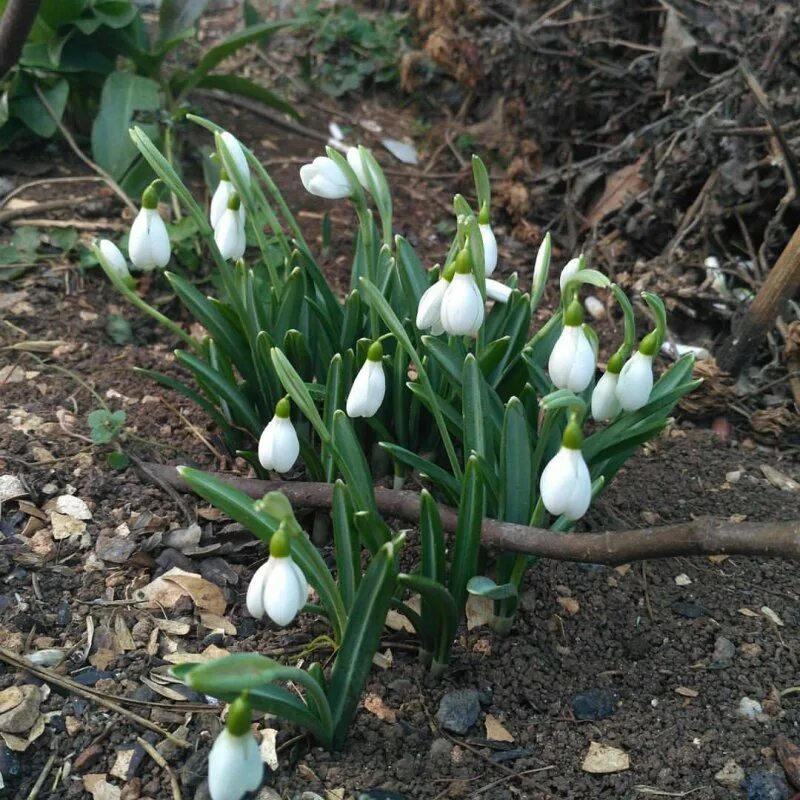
[229, 235]
[635, 382]
[234, 766]
[139, 250]
[358, 166]
[219, 202]
[237, 154]
[114, 258]
[159, 239]
[497, 291]
[605, 405]
[565, 484]
[540, 264]
[430, 305]
[368, 390]
[278, 446]
[255, 591]
[489, 248]
[462, 306]
[572, 266]
[572, 360]
[284, 595]
[324, 178]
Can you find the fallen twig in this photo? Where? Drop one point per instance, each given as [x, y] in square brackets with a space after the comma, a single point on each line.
[705, 536]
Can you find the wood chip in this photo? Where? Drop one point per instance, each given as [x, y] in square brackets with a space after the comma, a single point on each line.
[376, 706]
[779, 479]
[746, 612]
[99, 788]
[480, 611]
[771, 616]
[495, 731]
[685, 691]
[603, 759]
[269, 753]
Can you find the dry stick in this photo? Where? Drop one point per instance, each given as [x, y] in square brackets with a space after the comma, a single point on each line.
[782, 283]
[15, 24]
[698, 537]
[36, 788]
[48, 205]
[75, 688]
[161, 761]
[112, 184]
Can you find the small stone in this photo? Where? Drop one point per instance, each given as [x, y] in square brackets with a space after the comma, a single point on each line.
[401, 686]
[441, 749]
[724, 651]
[63, 613]
[459, 710]
[10, 766]
[169, 749]
[749, 708]
[88, 758]
[218, 571]
[683, 580]
[20, 716]
[594, 704]
[115, 549]
[89, 677]
[731, 775]
[766, 786]
[405, 769]
[690, 609]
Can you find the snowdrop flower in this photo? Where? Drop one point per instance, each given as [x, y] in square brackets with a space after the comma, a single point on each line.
[605, 405]
[497, 291]
[323, 177]
[229, 232]
[234, 763]
[219, 200]
[541, 265]
[429, 310]
[115, 261]
[572, 361]
[236, 153]
[462, 304]
[148, 243]
[369, 387]
[279, 588]
[636, 377]
[359, 165]
[565, 486]
[489, 241]
[572, 266]
[279, 447]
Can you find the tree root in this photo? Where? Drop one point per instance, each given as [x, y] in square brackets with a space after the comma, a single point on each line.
[706, 536]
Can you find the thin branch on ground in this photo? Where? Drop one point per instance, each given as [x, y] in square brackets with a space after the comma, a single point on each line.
[706, 536]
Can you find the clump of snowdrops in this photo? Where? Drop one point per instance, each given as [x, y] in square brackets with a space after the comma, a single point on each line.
[432, 373]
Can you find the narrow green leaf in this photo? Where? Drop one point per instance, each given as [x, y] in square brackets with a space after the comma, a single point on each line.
[473, 408]
[346, 548]
[516, 463]
[481, 586]
[352, 462]
[443, 479]
[468, 534]
[440, 609]
[236, 84]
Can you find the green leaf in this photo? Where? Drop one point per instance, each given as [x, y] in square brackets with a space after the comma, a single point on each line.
[106, 425]
[441, 477]
[346, 547]
[119, 329]
[124, 95]
[296, 388]
[481, 586]
[516, 464]
[474, 408]
[431, 538]
[413, 277]
[468, 534]
[483, 187]
[117, 460]
[236, 84]
[439, 608]
[352, 462]
[361, 637]
[35, 115]
[175, 16]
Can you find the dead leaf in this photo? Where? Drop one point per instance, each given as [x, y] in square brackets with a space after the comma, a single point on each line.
[684, 691]
[746, 612]
[383, 660]
[124, 638]
[771, 616]
[122, 764]
[623, 184]
[64, 526]
[779, 480]
[11, 373]
[216, 622]
[269, 753]
[677, 45]
[70, 505]
[99, 788]
[209, 654]
[10, 698]
[603, 759]
[11, 488]
[376, 706]
[495, 731]
[103, 658]
[480, 611]
[570, 605]
[21, 716]
[166, 590]
[174, 627]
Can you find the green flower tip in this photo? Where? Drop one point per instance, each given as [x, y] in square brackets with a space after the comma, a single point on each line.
[234, 202]
[238, 723]
[223, 174]
[375, 352]
[150, 197]
[573, 316]
[279, 546]
[463, 262]
[449, 271]
[615, 363]
[282, 408]
[649, 345]
[573, 436]
[483, 217]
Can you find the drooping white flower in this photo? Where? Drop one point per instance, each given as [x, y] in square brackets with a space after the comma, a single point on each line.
[279, 447]
[489, 248]
[236, 153]
[605, 405]
[324, 178]
[229, 231]
[572, 266]
[219, 200]
[565, 485]
[369, 387]
[497, 291]
[635, 381]
[541, 265]
[572, 360]
[429, 311]
[114, 259]
[462, 304]
[148, 243]
[359, 165]
[279, 588]
[234, 763]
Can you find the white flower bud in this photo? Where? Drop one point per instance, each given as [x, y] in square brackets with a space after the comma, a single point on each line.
[565, 486]
[497, 291]
[429, 311]
[462, 306]
[114, 259]
[605, 405]
[236, 153]
[324, 178]
[219, 202]
[358, 165]
[148, 243]
[278, 447]
[229, 234]
[572, 361]
[572, 266]
[278, 589]
[369, 387]
[489, 248]
[635, 382]
[234, 766]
